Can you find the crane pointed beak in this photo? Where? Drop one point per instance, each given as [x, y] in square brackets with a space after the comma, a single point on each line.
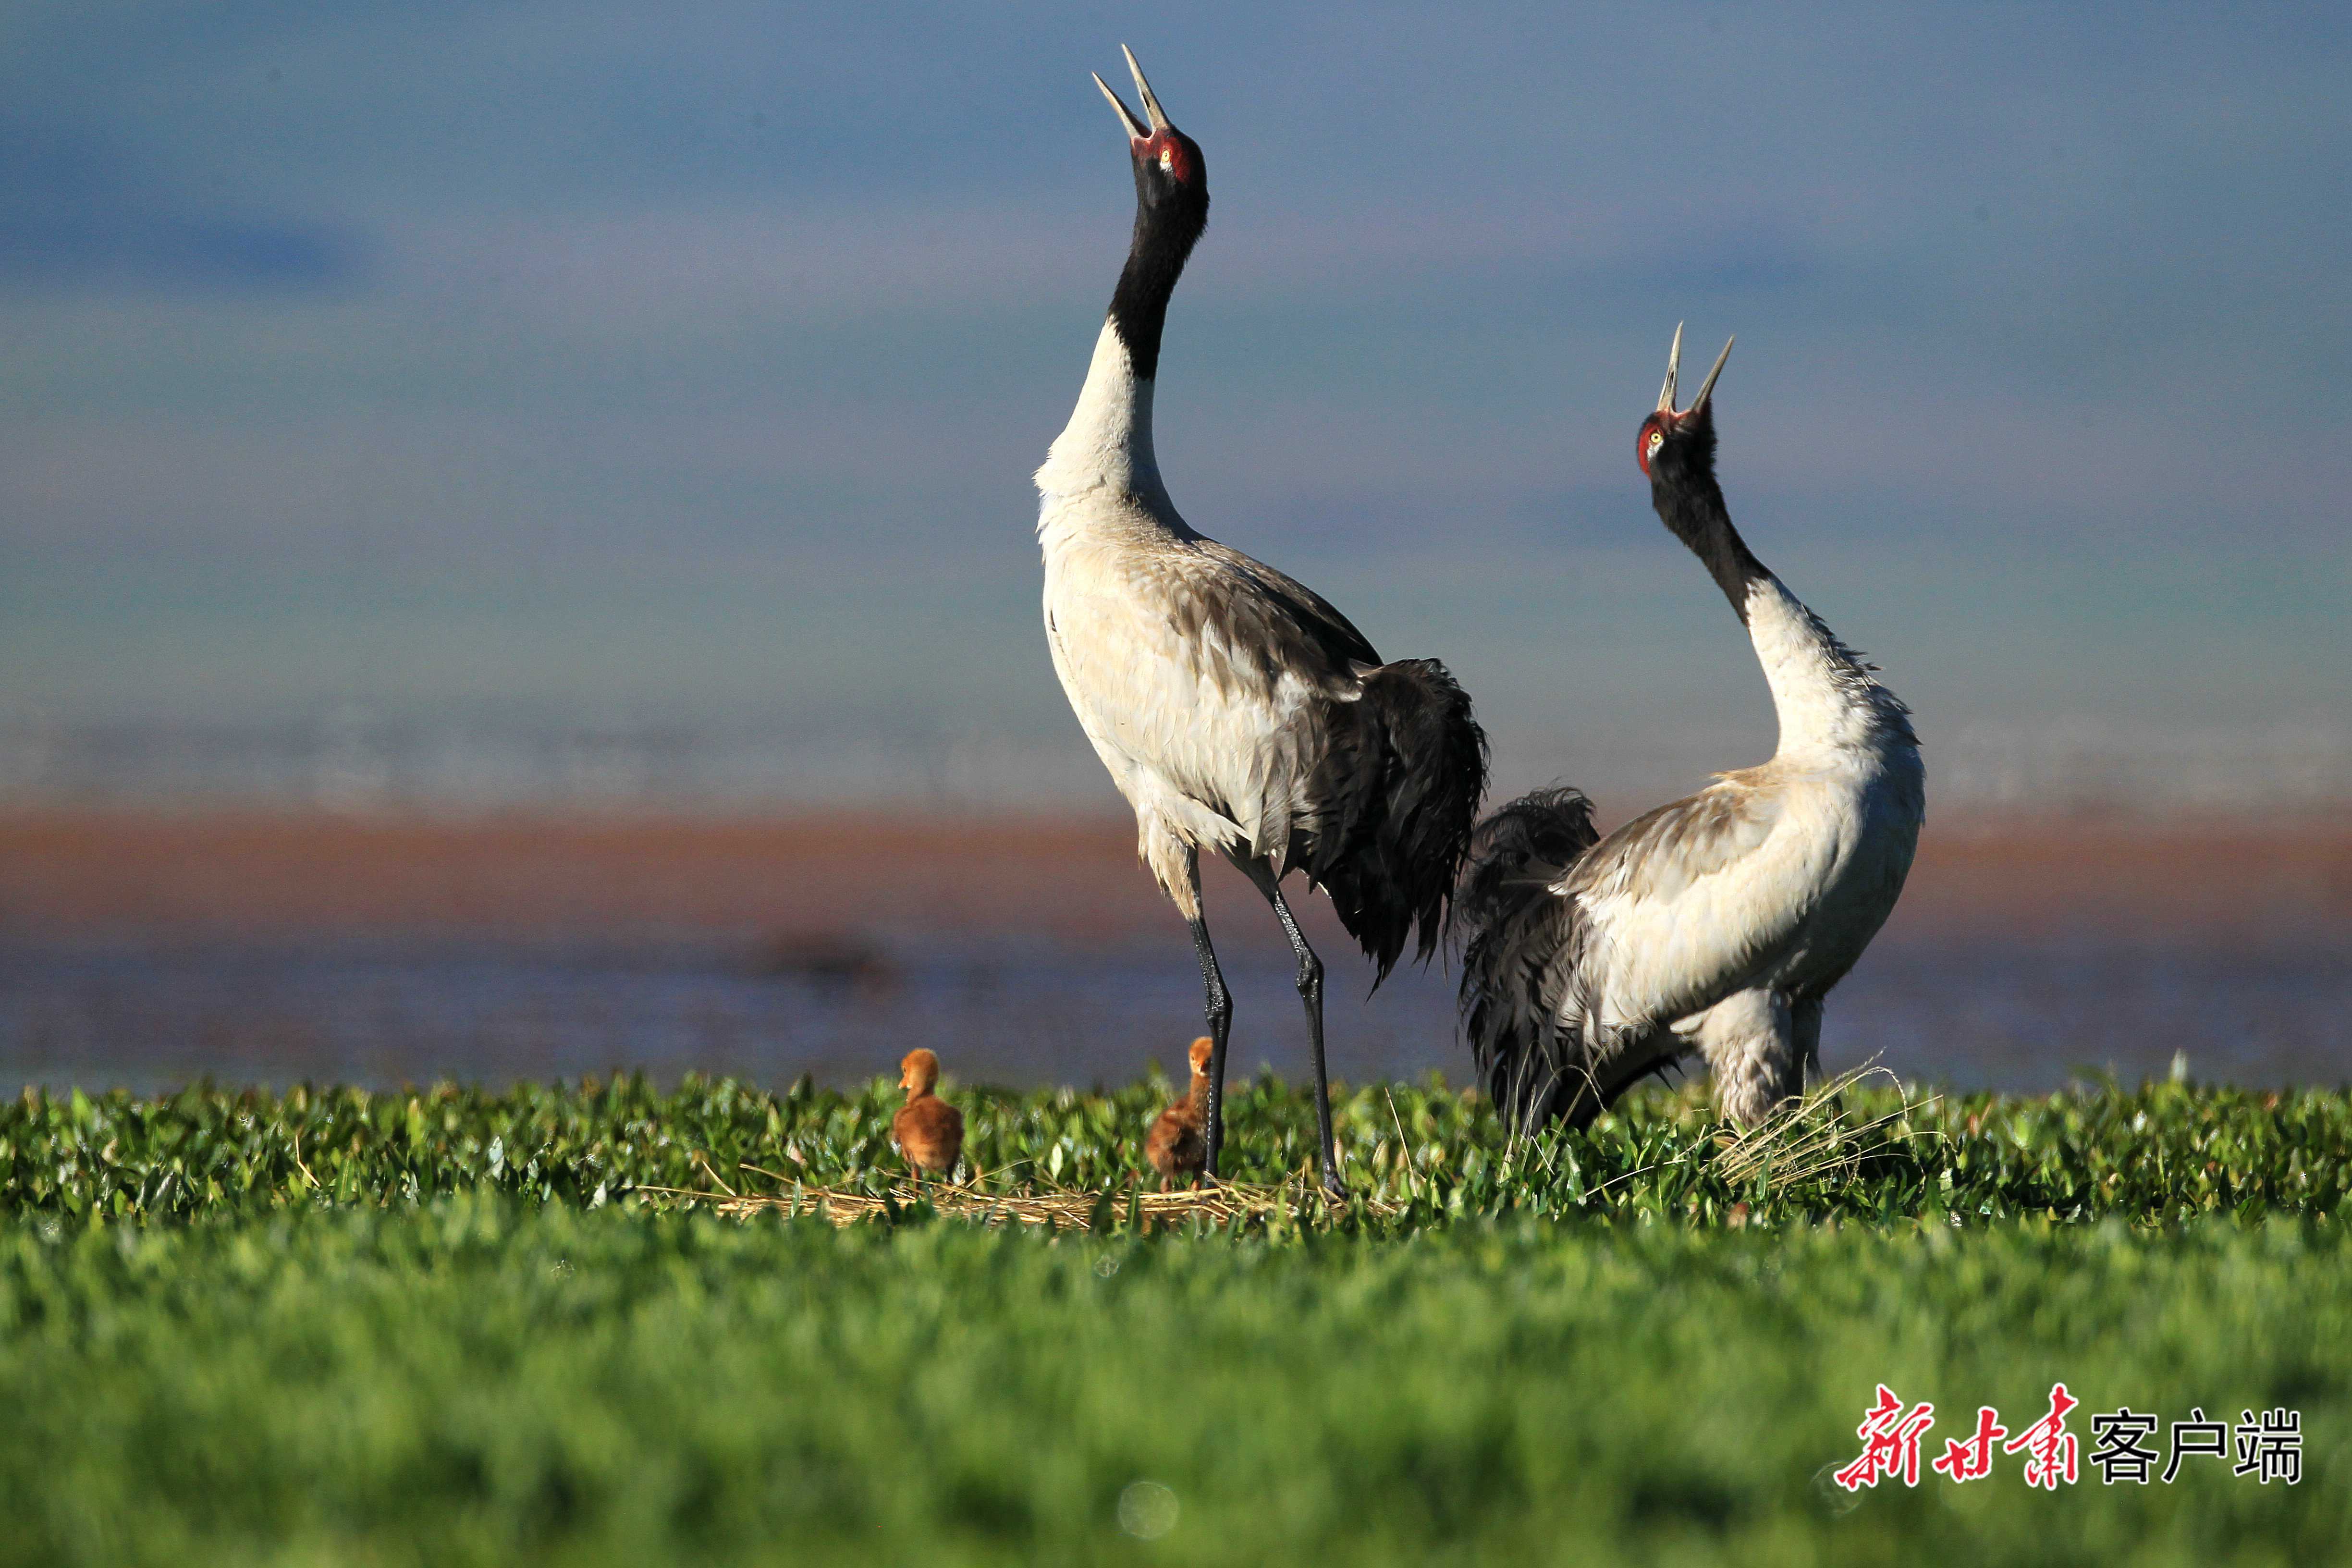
[1673, 363]
[1135, 130]
[1143, 89]
[1706, 387]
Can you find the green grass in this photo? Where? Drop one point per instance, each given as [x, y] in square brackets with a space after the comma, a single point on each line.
[2161, 1153]
[442, 1327]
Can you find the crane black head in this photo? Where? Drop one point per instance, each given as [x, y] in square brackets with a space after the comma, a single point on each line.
[1677, 442]
[1172, 208]
[1169, 172]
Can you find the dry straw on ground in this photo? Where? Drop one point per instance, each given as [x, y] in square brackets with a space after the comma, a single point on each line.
[1809, 1139]
[1297, 1198]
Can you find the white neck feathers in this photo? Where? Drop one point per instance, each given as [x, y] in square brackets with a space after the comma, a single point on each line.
[1106, 445]
[1827, 702]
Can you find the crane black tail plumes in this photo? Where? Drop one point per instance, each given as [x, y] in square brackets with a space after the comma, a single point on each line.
[1396, 797]
[1513, 931]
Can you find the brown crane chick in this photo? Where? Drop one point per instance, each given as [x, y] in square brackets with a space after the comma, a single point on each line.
[927, 1130]
[1177, 1144]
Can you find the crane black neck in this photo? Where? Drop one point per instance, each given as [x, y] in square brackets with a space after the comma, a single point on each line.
[1690, 503]
[1168, 218]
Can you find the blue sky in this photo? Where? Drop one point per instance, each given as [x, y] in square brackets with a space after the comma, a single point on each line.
[575, 364]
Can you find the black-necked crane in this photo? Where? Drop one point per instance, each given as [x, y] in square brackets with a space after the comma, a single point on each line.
[1235, 710]
[1717, 924]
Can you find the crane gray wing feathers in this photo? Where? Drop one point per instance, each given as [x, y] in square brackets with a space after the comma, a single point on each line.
[1583, 954]
[1253, 624]
[1664, 853]
[1194, 669]
[1683, 902]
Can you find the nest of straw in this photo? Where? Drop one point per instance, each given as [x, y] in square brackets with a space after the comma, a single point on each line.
[1805, 1140]
[1297, 1198]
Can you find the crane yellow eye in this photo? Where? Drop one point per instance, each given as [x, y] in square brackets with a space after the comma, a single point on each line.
[1657, 439]
[1167, 159]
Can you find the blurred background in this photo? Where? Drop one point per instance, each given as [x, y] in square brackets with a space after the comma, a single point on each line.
[423, 427]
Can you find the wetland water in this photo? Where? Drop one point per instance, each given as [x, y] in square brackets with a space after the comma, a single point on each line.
[148, 1015]
[149, 950]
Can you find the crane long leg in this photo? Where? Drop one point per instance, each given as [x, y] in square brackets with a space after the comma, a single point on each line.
[1805, 1023]
[1218, 1010]
[1310, 992]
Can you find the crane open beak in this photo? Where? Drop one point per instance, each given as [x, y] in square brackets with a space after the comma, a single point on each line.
[1673, 365]
[1706, 387]
[1136, 129]
[1143, 91]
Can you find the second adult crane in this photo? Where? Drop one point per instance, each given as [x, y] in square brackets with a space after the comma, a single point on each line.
[1714, 925]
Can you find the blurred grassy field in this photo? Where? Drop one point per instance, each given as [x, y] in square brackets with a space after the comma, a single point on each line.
[449, 1327]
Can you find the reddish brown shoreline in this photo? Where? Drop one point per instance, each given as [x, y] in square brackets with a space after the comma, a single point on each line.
[75, 875]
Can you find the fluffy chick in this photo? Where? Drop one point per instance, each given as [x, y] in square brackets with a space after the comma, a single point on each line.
[1176, 1145]
[927, 1130]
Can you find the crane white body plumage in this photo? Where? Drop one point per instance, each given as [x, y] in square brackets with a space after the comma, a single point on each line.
[1210, 739]
[1716, 924]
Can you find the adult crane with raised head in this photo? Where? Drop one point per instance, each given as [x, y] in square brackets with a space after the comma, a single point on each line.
[1236, 710]
[1714, 925]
